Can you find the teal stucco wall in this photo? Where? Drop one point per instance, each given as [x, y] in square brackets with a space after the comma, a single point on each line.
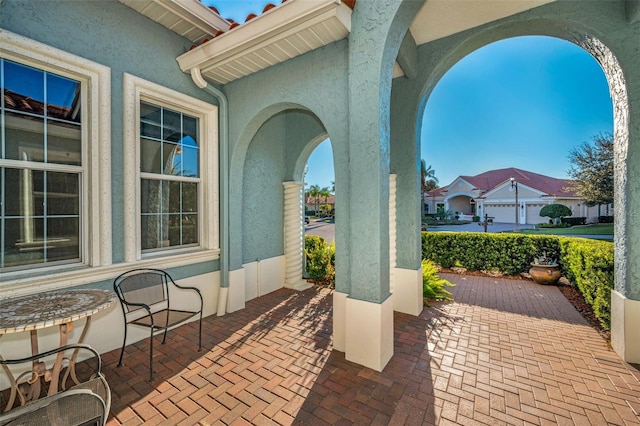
[111, 34]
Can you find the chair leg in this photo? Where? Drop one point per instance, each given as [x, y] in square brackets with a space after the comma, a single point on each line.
[164, 338]
[151, 356]
[200, 334]
[124, 342]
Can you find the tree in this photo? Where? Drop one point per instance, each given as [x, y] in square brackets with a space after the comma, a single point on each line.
[314, 192]
[592, 170]
[555, 211]
[324, 193]
[428, 181]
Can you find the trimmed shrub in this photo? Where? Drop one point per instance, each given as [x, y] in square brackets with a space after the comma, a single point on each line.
[605, 219]
[510, 254]
[476, 218]
[589, 265]
[433, 287]
[572, 221]
[321, 259]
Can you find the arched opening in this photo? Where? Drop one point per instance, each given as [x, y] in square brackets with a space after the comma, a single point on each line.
[515, 108]
[273, 207]
[621, 300]
[320, 214]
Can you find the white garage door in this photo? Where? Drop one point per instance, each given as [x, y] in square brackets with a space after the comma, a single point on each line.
[501, 212]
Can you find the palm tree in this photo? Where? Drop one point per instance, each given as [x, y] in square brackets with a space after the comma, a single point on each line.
[427, 181]
[314, 191]
[325, 193]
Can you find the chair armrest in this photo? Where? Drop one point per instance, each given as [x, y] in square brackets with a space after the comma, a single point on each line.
[53, 352]
[182, 287]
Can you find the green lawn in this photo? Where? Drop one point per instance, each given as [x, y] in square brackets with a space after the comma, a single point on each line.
[600, 229]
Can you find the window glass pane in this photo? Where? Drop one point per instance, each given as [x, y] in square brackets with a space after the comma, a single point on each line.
[24, 137]
[63, 197]
[64, 143]
[152, 193]
[175, 197]
[23, 241]
[150, 156]
[190, 162]
[155, 231]
[190, 128]
[63, 98]
[174, 230]
[24, 82]
[189, 197]
[16, 194]
[172, 125]
[189, 228]
[150, 121]
[63, 239]
[172, 159]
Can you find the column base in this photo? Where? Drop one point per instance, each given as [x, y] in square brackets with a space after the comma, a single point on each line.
[236, 296]
[299, 285]
[339, 315]
[369, 332]
[407, 291]
[625, 323]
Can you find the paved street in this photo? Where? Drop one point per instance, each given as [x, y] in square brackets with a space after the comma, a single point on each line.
[322, 228]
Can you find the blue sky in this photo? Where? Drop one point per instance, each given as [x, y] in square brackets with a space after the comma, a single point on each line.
[523, 102]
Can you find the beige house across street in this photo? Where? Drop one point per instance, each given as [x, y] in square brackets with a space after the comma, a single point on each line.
[494, 193]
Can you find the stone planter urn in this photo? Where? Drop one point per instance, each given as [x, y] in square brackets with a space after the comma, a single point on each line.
[545, 274]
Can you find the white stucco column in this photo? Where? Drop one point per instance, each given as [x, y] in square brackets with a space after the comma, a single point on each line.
[294, 236]
[392, 230]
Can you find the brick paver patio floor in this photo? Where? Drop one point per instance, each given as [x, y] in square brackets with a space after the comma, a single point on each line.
[505, 352]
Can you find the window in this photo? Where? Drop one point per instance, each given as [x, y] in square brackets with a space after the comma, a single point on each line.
[54, 149]
[171, 173]
[41, 167]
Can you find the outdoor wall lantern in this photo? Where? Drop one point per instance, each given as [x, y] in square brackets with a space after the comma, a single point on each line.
[514, 186]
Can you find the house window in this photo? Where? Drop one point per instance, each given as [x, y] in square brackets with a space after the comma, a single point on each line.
[171, 174]
[41, 167]
[169, 177]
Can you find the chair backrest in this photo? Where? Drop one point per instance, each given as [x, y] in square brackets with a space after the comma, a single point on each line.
[74, 407]
[87, 401]
[147, 286]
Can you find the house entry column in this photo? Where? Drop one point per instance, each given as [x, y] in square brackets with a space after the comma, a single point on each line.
[294, 236]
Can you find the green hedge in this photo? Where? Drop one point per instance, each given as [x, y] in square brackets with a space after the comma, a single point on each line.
[588, 264]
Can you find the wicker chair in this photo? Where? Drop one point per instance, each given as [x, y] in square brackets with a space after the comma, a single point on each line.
[144, 297]
[87, 402]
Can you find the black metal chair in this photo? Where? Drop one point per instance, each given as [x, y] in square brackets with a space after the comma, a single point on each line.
[144, 298]
[87, 402]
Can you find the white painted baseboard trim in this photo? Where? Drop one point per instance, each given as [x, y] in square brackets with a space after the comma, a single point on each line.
[625, 323]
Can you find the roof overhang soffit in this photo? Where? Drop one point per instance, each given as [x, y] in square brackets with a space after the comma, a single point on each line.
[289, 30]
[188, 18]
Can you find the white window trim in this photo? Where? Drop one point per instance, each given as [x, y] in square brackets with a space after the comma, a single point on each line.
[96, 85]
[135, 90]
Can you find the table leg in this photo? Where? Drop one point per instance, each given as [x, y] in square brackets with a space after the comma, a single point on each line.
[72, 361]
[65, 329]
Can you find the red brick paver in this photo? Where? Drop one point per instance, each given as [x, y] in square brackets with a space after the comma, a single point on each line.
[505, 352]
